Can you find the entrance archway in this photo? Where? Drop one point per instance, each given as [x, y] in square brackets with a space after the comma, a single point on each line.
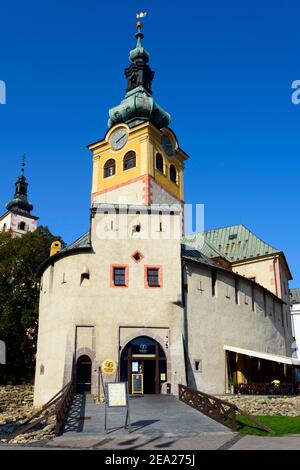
[83, 374]
[144, 359]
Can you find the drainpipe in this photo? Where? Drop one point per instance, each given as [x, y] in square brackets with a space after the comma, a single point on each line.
[185, 319]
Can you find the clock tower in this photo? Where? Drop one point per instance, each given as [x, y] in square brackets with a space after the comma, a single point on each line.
[139, 161]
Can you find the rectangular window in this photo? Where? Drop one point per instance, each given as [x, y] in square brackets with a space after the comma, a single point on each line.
[236, 288]
[153, 276]
[119, 276]
[213, 283]
[253, 297]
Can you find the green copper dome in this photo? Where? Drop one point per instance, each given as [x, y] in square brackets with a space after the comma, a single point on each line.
[139, 105]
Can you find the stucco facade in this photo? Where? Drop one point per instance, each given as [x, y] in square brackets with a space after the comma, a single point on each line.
[130, 291]
[249, 318]
[109, 315]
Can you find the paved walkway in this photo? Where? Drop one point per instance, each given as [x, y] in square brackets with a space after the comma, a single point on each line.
[150, 414]
[209, 441]
[158, 423]
[267, 443]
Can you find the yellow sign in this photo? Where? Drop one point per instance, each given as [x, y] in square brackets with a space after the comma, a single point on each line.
[108, 367]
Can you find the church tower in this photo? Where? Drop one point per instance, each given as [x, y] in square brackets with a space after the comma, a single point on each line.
[18, 218]
[139, 161]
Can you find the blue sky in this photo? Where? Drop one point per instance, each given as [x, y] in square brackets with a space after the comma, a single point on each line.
[223, 70]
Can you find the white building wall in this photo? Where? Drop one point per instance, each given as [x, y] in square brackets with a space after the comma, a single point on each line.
[66, 303]
[213, 322]
[5, 222]
[12, 222]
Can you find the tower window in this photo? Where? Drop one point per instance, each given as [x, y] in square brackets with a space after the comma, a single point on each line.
[85, 276]
[137, 256]
[22, 226]
[159, 163]
[119, 276]
[173, 174]
[129, 160]
[213, 282]
[236, 288]
[153, 277]
[109, 168]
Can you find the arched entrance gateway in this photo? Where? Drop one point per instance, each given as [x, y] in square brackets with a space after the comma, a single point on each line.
[144, 359]
[83, 374]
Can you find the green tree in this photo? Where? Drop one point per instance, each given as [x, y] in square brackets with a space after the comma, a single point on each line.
[20, 258]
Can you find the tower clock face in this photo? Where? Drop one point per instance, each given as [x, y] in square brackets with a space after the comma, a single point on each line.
[119, 138]
[167, 145]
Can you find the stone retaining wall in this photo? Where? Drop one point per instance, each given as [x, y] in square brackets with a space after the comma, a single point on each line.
[16, 405]
[266, 405]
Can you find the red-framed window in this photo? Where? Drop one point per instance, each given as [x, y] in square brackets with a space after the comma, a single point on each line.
[119, 275]
[153, 277]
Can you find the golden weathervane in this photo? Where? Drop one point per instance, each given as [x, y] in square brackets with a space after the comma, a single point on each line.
[140, 15]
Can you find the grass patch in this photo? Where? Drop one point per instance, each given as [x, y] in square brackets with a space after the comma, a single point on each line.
[280, 425]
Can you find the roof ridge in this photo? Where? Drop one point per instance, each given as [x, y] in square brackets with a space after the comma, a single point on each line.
[225, 226]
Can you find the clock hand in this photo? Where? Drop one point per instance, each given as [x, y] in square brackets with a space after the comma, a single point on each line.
[122, 136]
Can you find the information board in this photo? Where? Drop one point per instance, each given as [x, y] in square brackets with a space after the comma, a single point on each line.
[137, 384]
[116, 394]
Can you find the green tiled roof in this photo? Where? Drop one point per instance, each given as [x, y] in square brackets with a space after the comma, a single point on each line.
[295, 296]
[198, 241]
[82, 242]
[233, 243]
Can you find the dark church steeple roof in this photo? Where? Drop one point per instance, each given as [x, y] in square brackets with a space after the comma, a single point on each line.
[139, 105]
[20, 202]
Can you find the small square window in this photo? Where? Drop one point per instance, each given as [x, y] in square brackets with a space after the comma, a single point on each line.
[137, 256]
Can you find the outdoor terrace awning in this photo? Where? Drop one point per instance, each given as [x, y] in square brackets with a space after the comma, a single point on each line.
[262, 355]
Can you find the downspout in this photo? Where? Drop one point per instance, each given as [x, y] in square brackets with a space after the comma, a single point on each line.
[185, 319]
